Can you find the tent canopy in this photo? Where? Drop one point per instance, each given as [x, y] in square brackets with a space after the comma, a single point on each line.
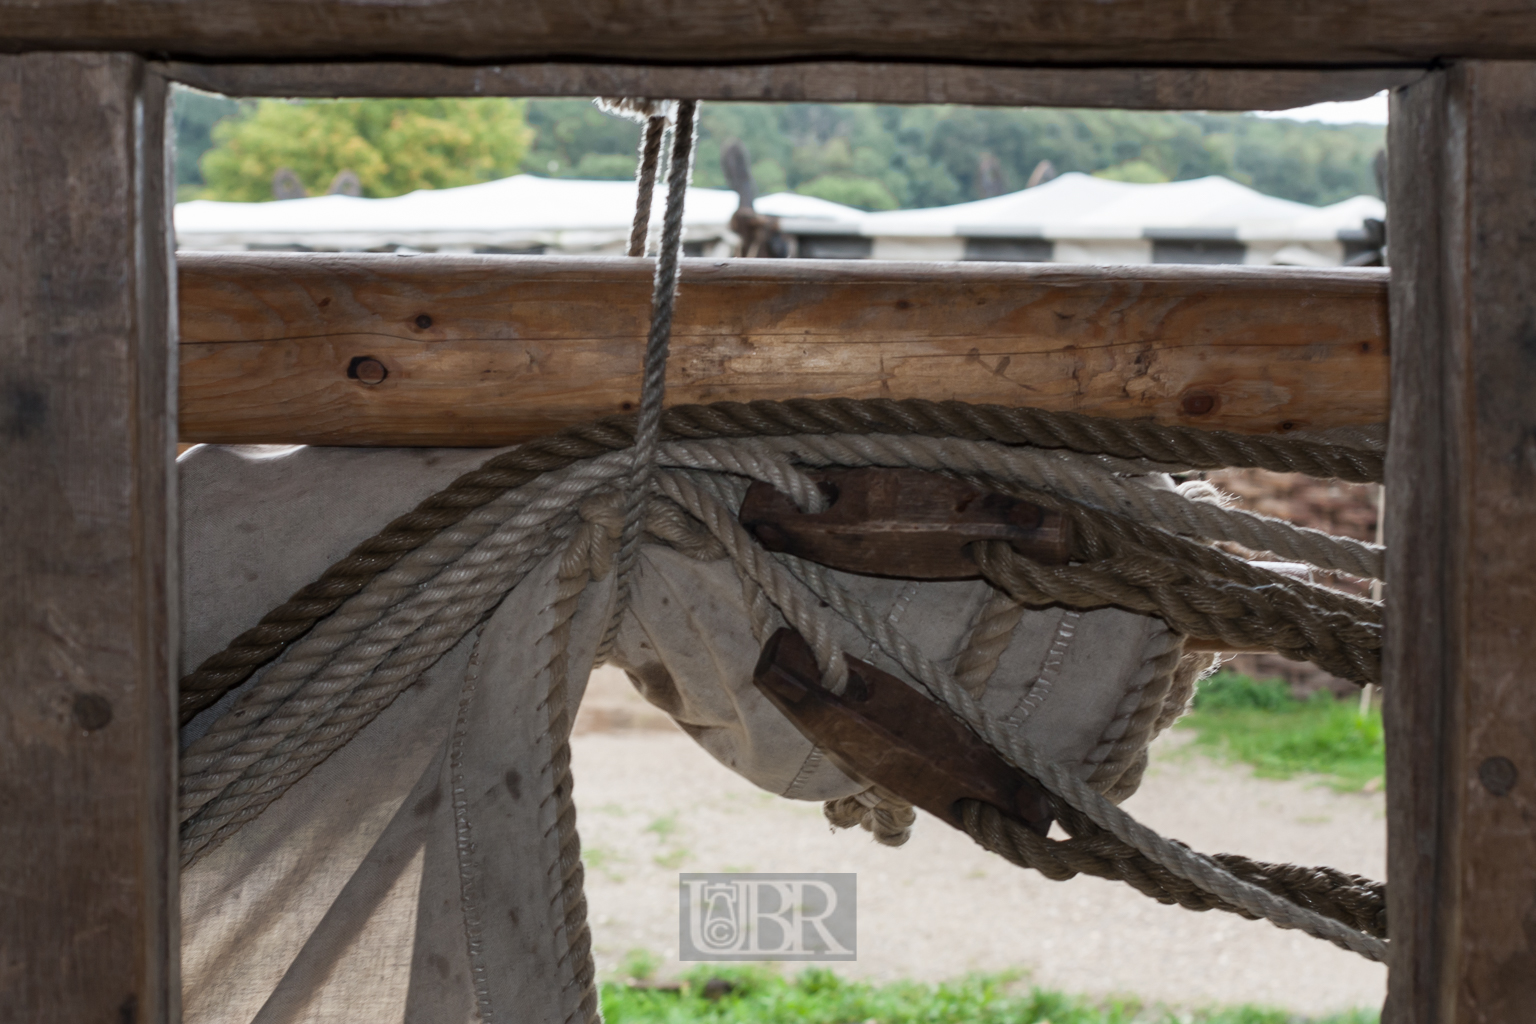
[525, 212]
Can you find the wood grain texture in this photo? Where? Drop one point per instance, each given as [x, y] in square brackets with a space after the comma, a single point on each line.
[828, 82]
[1461, 536]
[1156, 32]
[87, 576]
[486, 350]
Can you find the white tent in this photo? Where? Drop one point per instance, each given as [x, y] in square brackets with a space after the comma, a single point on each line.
[1093, 220]
[520, 213]
[1074, 219]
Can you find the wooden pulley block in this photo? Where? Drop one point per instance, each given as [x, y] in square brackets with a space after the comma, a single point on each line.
[882, 730]
[902, 523]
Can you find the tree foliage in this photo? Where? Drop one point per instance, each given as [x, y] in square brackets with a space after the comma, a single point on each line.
[873, 157]
[393, 146]
[195, 115]
[880, 157]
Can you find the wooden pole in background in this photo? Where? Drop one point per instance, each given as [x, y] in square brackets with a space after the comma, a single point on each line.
[1460, 661]
[88, 563]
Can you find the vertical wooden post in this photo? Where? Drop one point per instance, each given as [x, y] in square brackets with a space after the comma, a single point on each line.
[87, 563]
[1460, 688]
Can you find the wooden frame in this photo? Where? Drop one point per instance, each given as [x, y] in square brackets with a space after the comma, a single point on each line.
[1150, 33]
[88, 578]
[1148, 88]
[1461, 534]
[87, 928]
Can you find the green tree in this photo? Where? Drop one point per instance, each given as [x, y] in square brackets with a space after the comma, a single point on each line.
[860, 154]
[393, 146]
[195, 114]
[863, 193]
[573, 139]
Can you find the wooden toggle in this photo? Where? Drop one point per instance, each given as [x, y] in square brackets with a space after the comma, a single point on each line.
[883, 731]
[902, 523]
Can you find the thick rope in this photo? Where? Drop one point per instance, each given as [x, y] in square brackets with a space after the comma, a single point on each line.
[1182, 862]
[279, 628]
[333, 682]
[588, 557]
[1084, 479]
[653, 117]
[1349, 899]
[990, 636]
[1174, 446]
[801, 608]
[263, 753]
[338, 678]
[1196, 604]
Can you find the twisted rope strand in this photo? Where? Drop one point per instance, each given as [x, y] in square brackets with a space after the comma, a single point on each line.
[1084, 479]
[1196, 604]
[653, 388]
[1182, 862]
[650, 157]
[1351, 900]
[279, 628]
[306, 727]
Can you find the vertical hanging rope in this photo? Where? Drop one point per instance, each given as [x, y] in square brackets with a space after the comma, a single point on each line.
[654, 385]
[645, 177]
[654, 116]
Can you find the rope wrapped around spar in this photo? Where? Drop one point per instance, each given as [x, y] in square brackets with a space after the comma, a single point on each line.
[345, 647]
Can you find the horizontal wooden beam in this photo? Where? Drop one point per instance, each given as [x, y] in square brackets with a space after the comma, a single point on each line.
[1300, 33]
[828, 82]
[489, 350]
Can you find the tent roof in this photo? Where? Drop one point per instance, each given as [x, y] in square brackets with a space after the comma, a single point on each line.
[520, 209]
[1077, 205]
[524, 211]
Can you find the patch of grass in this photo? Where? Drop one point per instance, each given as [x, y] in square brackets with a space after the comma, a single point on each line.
[671, 860]
[723, 994]
[1261, 724]
[663, 826]
[639, 965]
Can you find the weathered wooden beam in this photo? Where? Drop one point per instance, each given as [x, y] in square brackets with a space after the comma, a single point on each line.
[488, 350]
[827, 82]
[1460, 662]
[1150, 32]
[88, 569]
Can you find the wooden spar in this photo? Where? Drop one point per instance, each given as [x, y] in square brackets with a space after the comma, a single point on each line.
[88, 627]
[1303, 33]
[1460, 659]
[488, 350]
[833, 81]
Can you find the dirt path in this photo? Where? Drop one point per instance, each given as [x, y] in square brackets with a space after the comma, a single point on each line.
[653, 804]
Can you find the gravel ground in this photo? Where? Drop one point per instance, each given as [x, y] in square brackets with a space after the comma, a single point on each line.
[653, 804]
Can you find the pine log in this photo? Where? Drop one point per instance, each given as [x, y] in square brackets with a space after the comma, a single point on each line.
[376, 349]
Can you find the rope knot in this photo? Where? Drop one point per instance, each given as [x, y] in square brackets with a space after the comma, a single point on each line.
[883, 814]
